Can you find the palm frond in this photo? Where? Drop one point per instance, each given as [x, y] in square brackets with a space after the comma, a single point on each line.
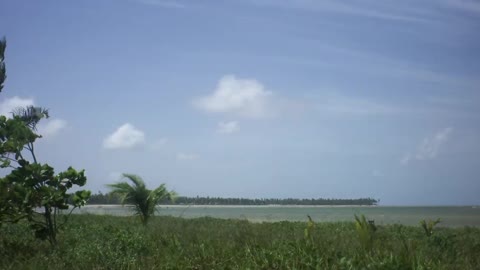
[144, 200]
[136, 180]
[31, 115]
[125, 191]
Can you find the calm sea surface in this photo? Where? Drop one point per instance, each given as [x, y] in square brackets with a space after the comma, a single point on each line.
[450, 215]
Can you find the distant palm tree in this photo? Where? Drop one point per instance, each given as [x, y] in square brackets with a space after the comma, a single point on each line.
[143, 199]
[31, 115]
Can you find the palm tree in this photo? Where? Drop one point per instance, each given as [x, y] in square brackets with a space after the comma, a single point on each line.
[143, 199]
[31, 115]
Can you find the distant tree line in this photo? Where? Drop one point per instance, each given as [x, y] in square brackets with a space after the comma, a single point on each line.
[110, 198]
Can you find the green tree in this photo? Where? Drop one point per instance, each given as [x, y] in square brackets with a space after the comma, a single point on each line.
[30, 190]
[143, 199]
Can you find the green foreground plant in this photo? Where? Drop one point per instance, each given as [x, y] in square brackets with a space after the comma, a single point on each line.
[366, 231]
[429, 225]
[109, 242]
[143, 199]
[31, 191]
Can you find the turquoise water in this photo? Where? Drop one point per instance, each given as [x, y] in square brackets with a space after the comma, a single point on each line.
[451, 216]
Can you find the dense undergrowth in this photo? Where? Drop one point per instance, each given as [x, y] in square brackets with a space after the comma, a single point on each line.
[108, 242]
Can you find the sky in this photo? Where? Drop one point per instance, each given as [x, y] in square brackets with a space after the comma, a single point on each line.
[255, 98]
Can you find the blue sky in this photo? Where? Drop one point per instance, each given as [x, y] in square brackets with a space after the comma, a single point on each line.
[256, 98]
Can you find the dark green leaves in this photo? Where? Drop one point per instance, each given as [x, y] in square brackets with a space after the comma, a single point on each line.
[3, 72]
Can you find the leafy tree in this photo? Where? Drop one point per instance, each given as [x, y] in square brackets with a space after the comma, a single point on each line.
[30, 190]
[143, 199]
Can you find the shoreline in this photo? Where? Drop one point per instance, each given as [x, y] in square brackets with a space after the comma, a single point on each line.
[276, 206]
[232, 206]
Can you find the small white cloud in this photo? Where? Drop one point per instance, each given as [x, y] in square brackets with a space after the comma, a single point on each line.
[185, 156]
[245, 97]
[430, 146]
[228, 127]
[50, 128]
[126, 136]
[10, 104]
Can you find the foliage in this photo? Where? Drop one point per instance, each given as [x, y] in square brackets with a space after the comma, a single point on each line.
[101, 198]
[3, 72]
[428, 226]
[143, 199]
[365, 230]
[30, 190]
[109, 242]
[310, 226]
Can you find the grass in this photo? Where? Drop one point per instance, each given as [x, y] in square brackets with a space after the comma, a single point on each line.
[109, 242]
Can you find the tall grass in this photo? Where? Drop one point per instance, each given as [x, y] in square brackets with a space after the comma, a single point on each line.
[107, 242]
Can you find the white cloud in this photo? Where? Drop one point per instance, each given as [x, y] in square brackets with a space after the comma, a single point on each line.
[126, 136]
[186, 156]
[50, 128]
[228, 127]
[10, 104]
[245, 97]
[430, 146]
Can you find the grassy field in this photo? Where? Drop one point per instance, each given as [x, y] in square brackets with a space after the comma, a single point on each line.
[112, 242]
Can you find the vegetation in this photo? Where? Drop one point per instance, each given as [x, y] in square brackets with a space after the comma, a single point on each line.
[33, 198]
[31, 191]
[109, 198]
[143, 199]
[109, 242]
[428, 226]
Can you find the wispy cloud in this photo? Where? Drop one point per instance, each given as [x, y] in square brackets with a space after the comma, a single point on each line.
[244, 97]
[163, 3]
[368, 9]
[186, 156]
[347, 105]
[430, 146]
[126, 136]
[228, 127]
[158, 144]
[471, 6]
